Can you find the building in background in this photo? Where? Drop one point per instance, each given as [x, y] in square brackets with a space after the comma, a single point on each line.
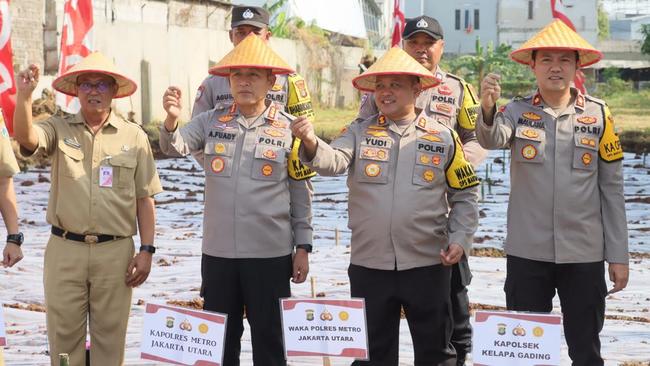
[501, 21]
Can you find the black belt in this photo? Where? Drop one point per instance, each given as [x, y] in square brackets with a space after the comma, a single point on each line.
[90, 239]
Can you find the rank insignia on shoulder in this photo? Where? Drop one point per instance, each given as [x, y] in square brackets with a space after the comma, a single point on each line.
[502, 109]
[580, 101]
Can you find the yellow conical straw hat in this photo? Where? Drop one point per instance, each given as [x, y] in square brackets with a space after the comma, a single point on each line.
[557, 36]
[94, 63]
[254, 53]
[395, 62]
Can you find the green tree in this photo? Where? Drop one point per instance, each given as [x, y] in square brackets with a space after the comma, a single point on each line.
[645, 45]
[603, 22]
[515, 79]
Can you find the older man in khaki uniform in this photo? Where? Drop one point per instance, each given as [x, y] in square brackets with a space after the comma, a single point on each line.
[12, 252]
[412, 210]
[453, 103]
[257, 200]
[566, 213]
[103, 180]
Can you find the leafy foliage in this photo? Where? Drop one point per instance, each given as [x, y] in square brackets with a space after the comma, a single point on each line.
[516, 79]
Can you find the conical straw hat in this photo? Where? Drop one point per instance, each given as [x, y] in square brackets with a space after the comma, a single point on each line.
[557, 36]
[395, 62]
[94, 63]
[254, 53]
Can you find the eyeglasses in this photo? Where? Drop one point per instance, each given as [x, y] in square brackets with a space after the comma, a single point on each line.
[101, 87]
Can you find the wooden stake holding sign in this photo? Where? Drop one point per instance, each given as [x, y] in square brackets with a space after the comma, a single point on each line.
[326, 360]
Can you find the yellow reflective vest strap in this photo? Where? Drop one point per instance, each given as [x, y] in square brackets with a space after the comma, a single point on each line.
[610, 146]
[296, 169]
[299, 100]
[470, 104]
[460, 173]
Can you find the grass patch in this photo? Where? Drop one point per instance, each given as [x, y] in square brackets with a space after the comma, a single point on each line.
[330, 121]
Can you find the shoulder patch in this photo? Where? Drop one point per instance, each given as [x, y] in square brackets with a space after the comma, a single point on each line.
[610, 145]
[295, 168]
[460, 173]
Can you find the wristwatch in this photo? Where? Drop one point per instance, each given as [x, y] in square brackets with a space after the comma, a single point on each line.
[148, 248]
[16, 239]
[306, 247]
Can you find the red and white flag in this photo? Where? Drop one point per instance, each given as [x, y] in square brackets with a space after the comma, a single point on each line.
[76, 43]
[399, 22]
[557, 9]
[7, 81]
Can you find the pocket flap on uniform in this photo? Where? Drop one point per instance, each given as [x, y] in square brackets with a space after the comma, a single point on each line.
[586, 141]
[532, 134]
[72, 152]
[124, 160]
[271, 153]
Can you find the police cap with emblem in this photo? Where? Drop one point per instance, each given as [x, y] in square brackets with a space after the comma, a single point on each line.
[557, 36]
[422, 24]
[394, 62]
[249, 15]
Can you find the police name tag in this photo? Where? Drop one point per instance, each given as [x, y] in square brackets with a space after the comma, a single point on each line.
[106, 176]
[516, 339]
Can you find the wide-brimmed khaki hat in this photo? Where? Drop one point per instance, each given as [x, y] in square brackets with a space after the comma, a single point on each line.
[254, 53]
[557, 36]
[394, 62]
[91, 64]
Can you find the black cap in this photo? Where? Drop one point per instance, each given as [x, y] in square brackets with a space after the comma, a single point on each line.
[422, 24]
[249, 15]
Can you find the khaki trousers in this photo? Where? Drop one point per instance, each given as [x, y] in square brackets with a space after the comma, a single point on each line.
[87, 281]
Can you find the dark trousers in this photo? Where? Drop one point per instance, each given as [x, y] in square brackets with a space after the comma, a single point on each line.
[531, 285]
[256, 285]
[424, 294]
[461, 337]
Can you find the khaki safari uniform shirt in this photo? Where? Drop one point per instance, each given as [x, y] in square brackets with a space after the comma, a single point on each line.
[566, 193]
[411, 192]
[453, 103]
[8, 164]
[257, 193]
[96, 179]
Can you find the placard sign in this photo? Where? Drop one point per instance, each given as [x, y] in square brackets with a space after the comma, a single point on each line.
[516, 339]
[325, 327]
[182, 336]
